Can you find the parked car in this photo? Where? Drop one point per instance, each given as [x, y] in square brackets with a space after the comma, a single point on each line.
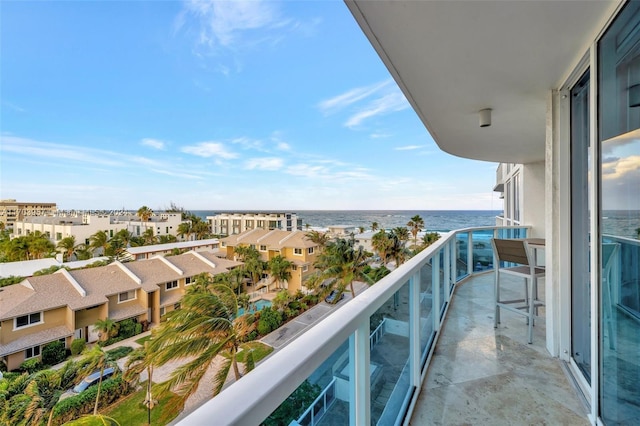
[90, 380]
[335, 294]
[93, 379]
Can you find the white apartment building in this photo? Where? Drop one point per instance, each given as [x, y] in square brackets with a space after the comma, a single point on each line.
[236, 223]
[82, 226]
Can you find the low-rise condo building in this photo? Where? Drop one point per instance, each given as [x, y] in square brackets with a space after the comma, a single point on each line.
[147, 252]
[292, 245]
[65, 305]
[12, 210]
[83, 225]
[236, 223]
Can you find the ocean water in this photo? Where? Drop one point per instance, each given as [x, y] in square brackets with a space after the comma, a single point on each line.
[434, 220]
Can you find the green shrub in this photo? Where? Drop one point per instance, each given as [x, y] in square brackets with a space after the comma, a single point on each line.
[110, 341]
[53, 353]
[3, 366]
[118, 353]
[127, 328]
[31, 365]
[75, 406]
[77, 346]
[270, 319]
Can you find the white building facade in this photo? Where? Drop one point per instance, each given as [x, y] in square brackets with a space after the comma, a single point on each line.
[83, 226]
[236, 223]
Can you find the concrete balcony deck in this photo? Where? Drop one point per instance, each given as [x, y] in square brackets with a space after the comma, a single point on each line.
[482, 375]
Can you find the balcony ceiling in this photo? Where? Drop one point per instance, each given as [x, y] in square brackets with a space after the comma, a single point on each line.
[454, 58]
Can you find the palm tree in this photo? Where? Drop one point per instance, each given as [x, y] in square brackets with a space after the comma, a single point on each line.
[144, 213]
[95, 359]
[401, 232]
[107, 328]
[319, 238]
[381, 243]
[184, 229]
[99, 240]
[341, 264]
[280, 269]
[148, 238]
[39, 245]
[254, 267]
[398, 249]
[200, 229]
[139, 360]
[125, 236]
[68, 246]
[165, 239]
[430, 238]
[374, 226]
[415, 225]
[206, 326]
[245, 252]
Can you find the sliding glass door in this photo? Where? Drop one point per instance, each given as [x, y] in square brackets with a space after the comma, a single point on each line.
[580, 236]
[619, 218]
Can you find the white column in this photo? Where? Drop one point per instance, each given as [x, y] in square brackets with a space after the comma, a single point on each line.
[359, 379]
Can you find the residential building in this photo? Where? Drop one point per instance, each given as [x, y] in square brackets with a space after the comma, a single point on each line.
[26, 268]
[365, 240]
[65, 305]
[236, 223]
[83, 225]
[146, 252]
[12, 210]
[553, 87]
[292, 245]
[341, 230]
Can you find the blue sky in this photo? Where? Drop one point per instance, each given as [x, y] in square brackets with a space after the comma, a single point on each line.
[213, 106]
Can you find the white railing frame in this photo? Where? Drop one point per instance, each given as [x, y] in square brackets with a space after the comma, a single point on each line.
[266, 387]
[325, 406]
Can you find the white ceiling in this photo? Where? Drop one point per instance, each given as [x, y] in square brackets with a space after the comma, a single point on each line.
[454, 58]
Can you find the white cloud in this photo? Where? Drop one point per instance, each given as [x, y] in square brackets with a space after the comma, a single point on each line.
[306, 170]
[248, 143]
[176, 174]
[391, 102]
[379, 135]
[13, 106]
[31, 148]
[350, 97]
[283, 146]
[210, 149]
[153, 143]
[266, 163]
[409, 147]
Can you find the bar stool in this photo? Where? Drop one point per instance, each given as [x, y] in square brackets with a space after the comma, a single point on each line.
[517, 251]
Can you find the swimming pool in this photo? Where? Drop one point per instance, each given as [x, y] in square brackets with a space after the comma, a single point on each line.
[255, 306]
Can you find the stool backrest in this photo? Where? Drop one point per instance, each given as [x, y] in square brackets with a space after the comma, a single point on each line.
[511, 250]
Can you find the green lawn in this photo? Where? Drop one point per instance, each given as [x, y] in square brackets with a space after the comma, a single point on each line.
[260, 350]
[141, 340]
[131, 411]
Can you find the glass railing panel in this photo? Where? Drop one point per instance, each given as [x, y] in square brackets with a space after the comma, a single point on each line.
[389, 359]
[512, 232]
[444, 287]
[427, 332]
[323, 398]
[482, 250]
[462, 245]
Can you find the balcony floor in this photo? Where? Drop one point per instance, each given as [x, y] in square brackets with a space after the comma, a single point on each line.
[482, 375]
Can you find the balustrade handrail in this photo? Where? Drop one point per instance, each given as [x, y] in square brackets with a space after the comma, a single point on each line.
[270, 383]
[315, 402]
